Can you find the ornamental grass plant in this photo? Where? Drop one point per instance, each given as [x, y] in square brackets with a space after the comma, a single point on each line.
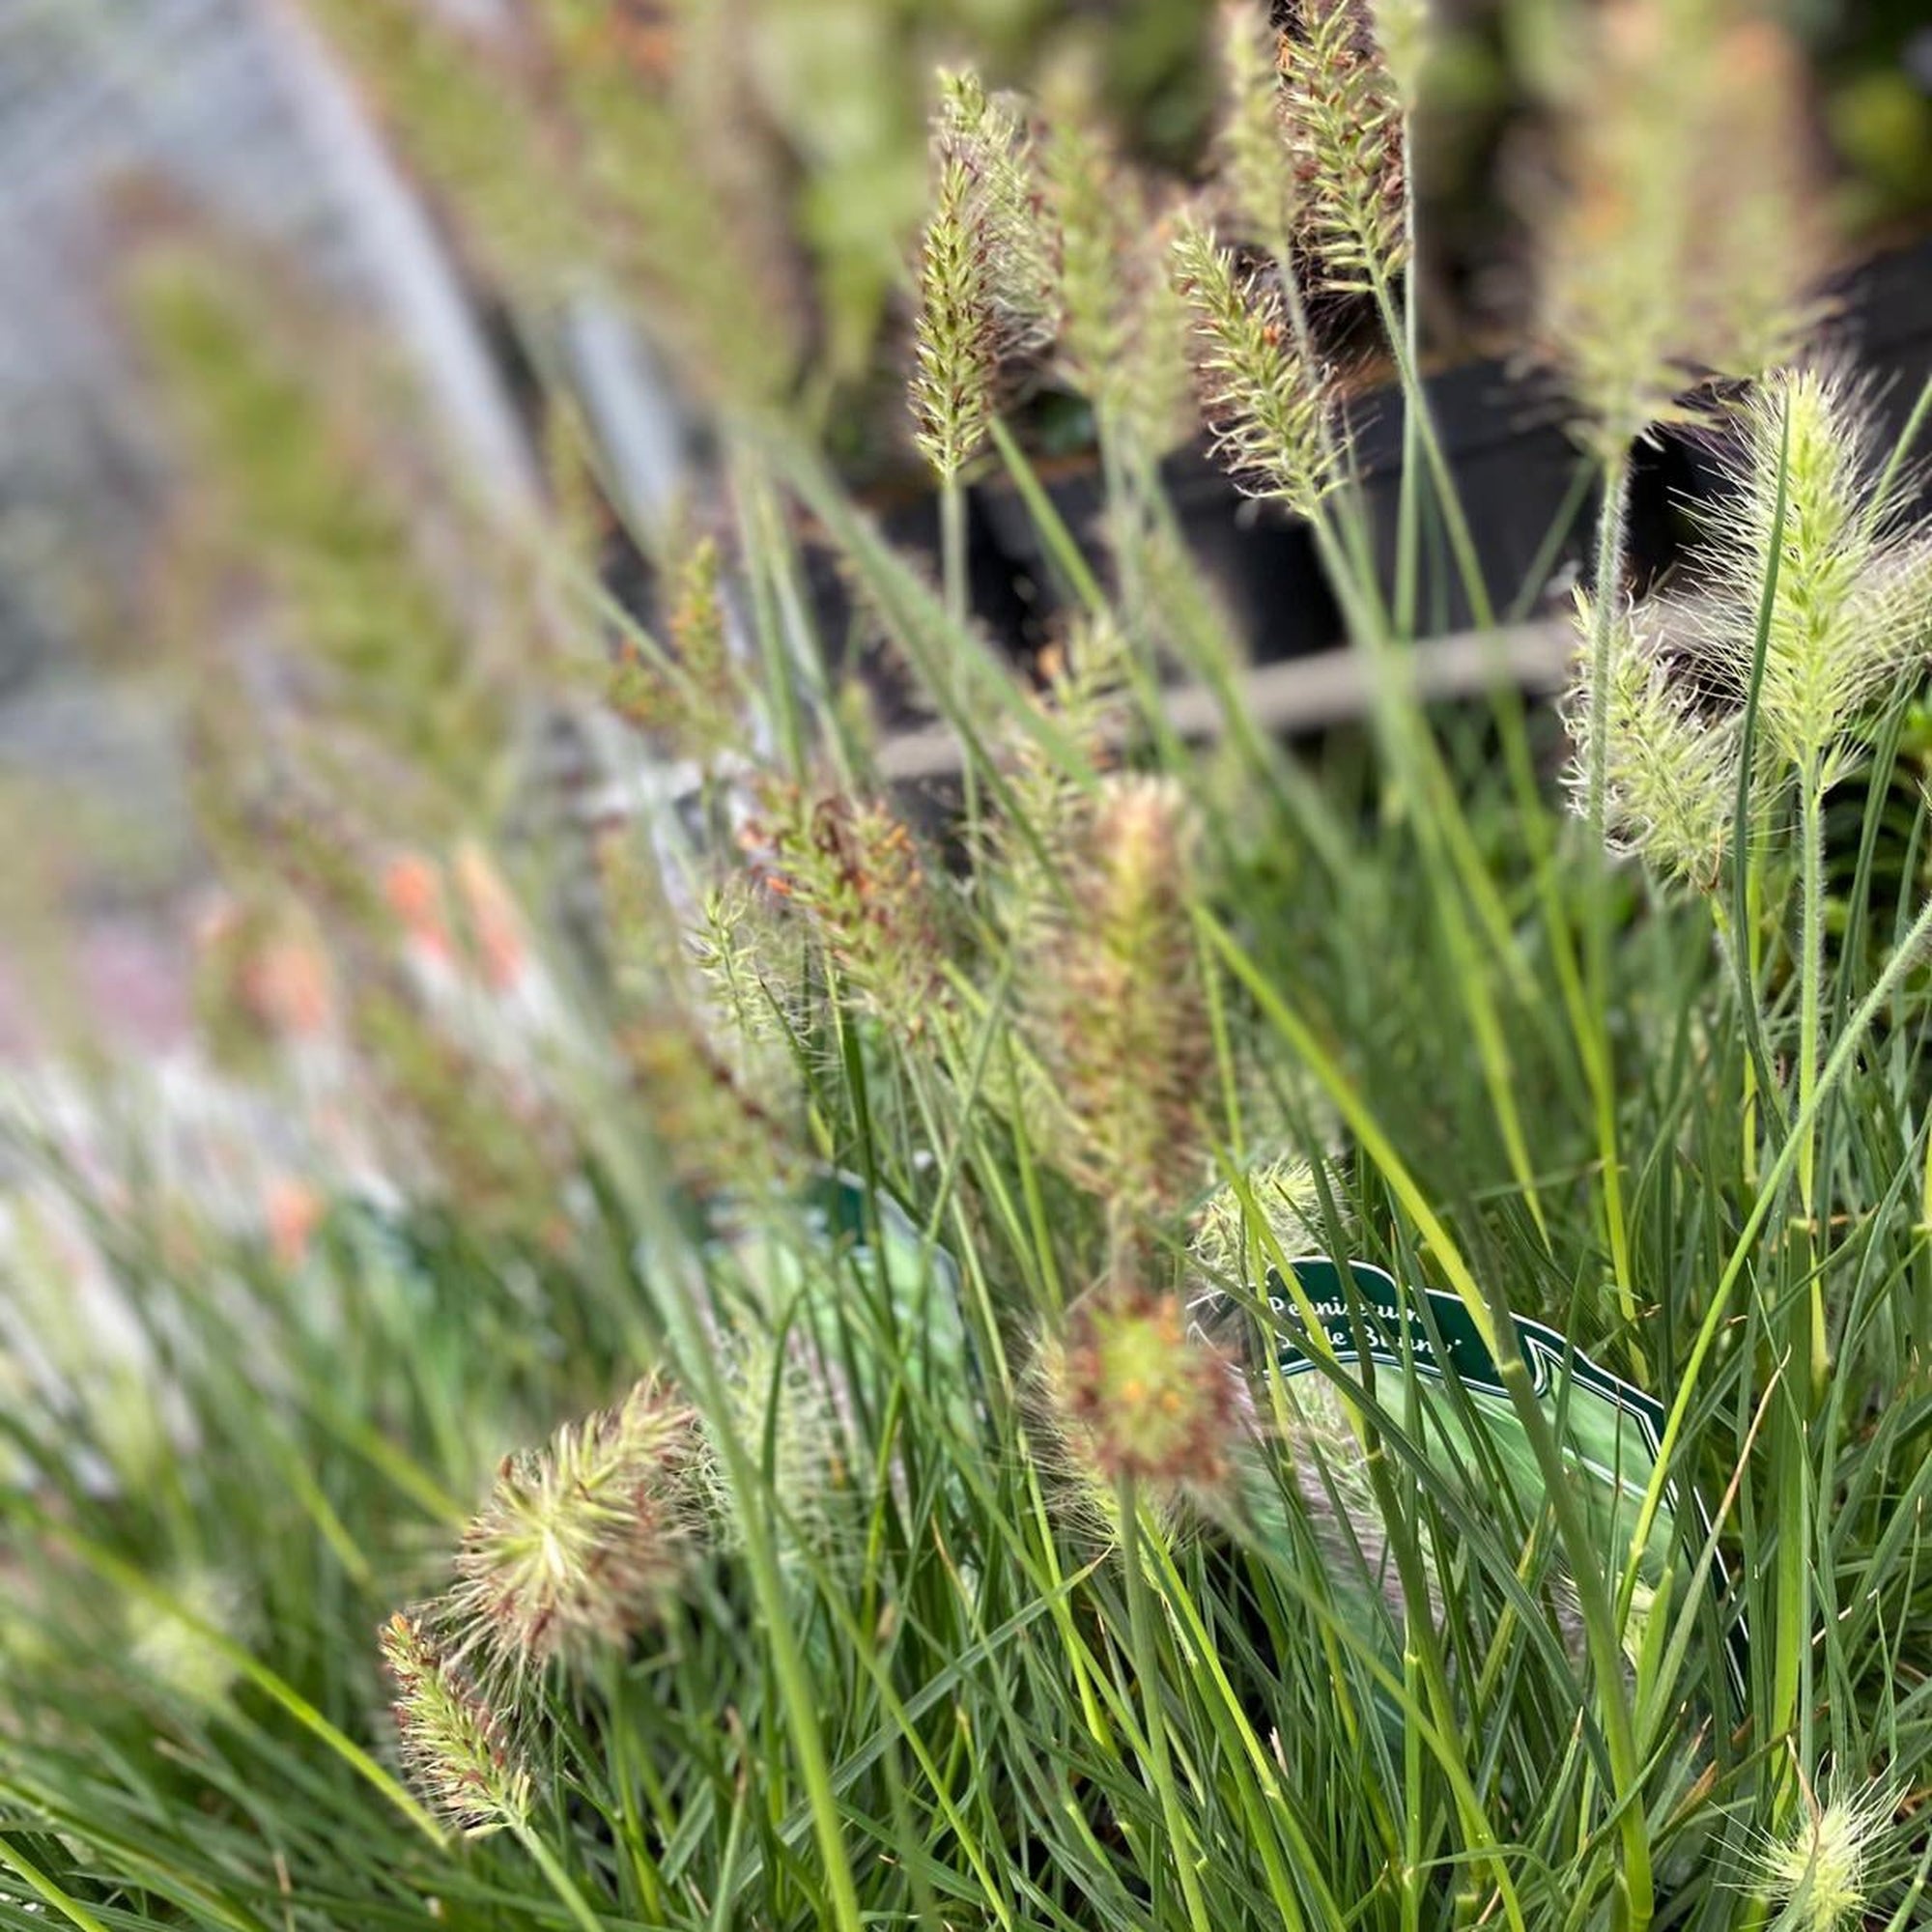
[707, 1363]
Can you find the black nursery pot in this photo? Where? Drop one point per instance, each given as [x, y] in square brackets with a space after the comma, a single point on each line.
[1525, 489]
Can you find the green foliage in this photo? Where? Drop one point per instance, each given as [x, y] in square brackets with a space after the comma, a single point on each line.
[937, 1570]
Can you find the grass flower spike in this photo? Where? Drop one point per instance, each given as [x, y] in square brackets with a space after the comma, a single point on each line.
[1262, 402]
[1258, 185]
[456, 1748]
[580, 1540]
[955, 349]
[1682, 242]
[1344, 125]
[985, 275]
[1670, 774]
[1147, 1401]
[1819, 1875]
[1117, 1006]
[1853, 595]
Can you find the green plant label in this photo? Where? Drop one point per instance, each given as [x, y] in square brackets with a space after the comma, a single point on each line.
[1611, 1432]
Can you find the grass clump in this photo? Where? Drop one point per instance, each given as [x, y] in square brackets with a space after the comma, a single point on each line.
[904, 1198]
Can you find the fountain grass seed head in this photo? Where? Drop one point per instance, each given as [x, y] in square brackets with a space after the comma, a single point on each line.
[1115, 1003]
[456, 1747]
[1671, 770]
[1342, 120]
[582, 1540]
[1266, 406]
[1132, 1391]
[1852, 600]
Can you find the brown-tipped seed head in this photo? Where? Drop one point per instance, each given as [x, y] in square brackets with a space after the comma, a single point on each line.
[456, 1750]
[1115, 1003]
[1344, 123]
[1264, 405]
[1151, 1401]
[581, 1540]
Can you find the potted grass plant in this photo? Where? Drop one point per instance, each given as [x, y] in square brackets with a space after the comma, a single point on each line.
[746, 1366]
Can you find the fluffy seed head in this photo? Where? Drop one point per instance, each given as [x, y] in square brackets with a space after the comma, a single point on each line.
[1263, 404]
[955, 347]
[1287, 1202]
[1819, 1876]
[456, 1748]
[1258, 184]
[1853, 596]
[986, 281]
[1120, 332]
[1343, 119]
[1682, 240]
[852, 872]
[1670, 772]
[1116, 1005]
[1146, 1398]
[581, 1540]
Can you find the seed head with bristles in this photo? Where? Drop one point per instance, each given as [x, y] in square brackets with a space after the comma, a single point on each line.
[456, 1748]
[1119, 334]
[1343, 119]
[1144, 1398]
[1670, 773]
[1853, 600]
[1258, 182]
[1263, 404]
[1117, 1010]
[987, 135]
[1286, 1199]
[582, 1540]
[1681, 240]
[955, 351]
[1820, 1875]
[986, 283]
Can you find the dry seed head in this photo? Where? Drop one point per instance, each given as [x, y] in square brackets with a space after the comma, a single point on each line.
[987, 135]
[1145, 1397]
[986, 281]
[1670, 772]
[581, 1540]
[456, 1748]
[1117, 1010]
[1265, 406]
[1342, 120]
[1289, 1204]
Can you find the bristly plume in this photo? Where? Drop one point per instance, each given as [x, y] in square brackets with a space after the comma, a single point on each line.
[1342, 120]
[1116, 1006]
[955, 351]
[1119, 332]
[456, 1748]
[581, 1540]
[1683, 240]
[1853, 595]
[1132, 1393]
[1257, 179]
[986, 281]
[1263, 404]
[1670, 772]
[852, 872]
[1823, 1873]
[989, 136]
[1282, 1194]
